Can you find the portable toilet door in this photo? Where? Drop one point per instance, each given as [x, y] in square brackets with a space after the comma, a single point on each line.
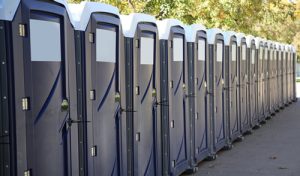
[294, 61]
[280, 75]
[231, 80]
[197, 96]
[266, 102]
[287, 49]
[252, 81]
[173, 96]
[242, 84]
[276, 88]
[260, 75]
[290, 74]
[284, 81]
[98, 43]
[141, 76]
[44, 89]
[216, 89]
[271, 78]
[7, 118]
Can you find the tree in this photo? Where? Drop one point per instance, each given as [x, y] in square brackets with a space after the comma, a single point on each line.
[270, 19]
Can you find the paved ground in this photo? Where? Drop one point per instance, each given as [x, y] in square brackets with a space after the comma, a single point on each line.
[273, 150]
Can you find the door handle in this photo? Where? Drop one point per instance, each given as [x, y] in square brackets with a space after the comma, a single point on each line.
[65, 105]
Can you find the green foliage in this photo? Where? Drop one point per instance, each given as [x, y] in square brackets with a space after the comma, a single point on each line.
[270, 19]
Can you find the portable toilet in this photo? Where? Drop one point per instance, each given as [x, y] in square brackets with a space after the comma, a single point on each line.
[275, 67]
[98, 42]
[271, 78]
[294, 61]
[40, 46]
[284, 74]
[252, 82]
[260, 98]
[231, 81]
[173, 78]
[8, 164]
[216, 84]
[266, 92]
[280, 75]
[141, 82]
[197, 95]
[289, 74]
[287, 67]
[242, 83]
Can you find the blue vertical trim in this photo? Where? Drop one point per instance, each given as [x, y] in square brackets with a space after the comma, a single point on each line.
[149, 161]
[147, 89]
[107, 91]
[49, 98]
[178, 83]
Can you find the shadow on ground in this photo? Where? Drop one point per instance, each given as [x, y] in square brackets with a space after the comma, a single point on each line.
[272, 150]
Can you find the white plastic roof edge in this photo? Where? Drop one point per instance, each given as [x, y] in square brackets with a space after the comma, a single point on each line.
[293, 48]
[211, 35]
[265, 42]
[282, 46]
[8, 9]
[130, 22]
[279, 45]
[227, 36]
[239, 37]
[164, 27]
[65, 4]
[191, 31]
[81, 13]
[275, 45]
[270, 43]
[257, 42]
[249, 39]
[287, 47]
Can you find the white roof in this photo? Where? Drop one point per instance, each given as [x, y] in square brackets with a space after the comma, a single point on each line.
[211, 35]
[65, 4]
[266, 42]
[257, 42]
[278, 45]
[227, 36]
[239, 37]
[293, 48]
[130, 22]
[81, 13]
[249, 39]
[165, 26]
[275, 45]
[282, 46]
[287, 47]
[191, 31]
[270, 43]
[8, 9]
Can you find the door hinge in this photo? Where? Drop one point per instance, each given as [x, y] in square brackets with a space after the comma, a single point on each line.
[91, 37]
[27, 173]
[137, 90]
[92, 94]
[172, 124]
[25, 104]
[94, 151]
[138, 137]
[22, 31]
[137, 43]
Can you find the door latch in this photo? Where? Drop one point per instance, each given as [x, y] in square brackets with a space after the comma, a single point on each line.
[64, 105]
